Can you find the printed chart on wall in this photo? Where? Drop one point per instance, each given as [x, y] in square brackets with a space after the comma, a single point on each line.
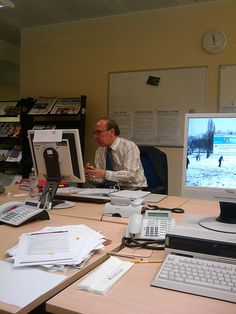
[227, 92]
[149, 106]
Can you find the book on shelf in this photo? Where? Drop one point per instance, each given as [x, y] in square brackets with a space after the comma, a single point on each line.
[4, 154]
[9, 108]
[15, 154]
[10, 130]
[44, 127]
[67, 106]
[43, 105]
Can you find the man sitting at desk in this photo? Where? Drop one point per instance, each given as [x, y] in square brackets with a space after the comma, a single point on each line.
[117, 160]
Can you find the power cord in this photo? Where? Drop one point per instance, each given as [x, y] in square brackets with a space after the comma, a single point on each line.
[151, 244]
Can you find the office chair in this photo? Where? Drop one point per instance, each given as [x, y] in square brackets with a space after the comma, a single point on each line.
[155, 166]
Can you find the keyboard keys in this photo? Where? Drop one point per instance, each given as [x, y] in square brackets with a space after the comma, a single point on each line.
[198, 276]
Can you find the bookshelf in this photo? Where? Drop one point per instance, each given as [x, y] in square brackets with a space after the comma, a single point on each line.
[13, 137]
[66, 113]
[27, 114]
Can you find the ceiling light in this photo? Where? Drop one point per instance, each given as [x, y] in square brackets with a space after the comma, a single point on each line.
[6, 3]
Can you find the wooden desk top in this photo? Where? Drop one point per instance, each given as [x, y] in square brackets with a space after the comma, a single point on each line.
[133, 294]
[9, 235]
[91, 211]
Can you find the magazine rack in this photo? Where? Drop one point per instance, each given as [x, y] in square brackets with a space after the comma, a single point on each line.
[62, 113]
[13, 136]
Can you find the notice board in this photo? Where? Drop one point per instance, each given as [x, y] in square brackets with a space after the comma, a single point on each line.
[149, 106]
[227, 91]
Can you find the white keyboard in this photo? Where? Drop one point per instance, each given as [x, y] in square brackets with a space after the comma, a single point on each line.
[197, 276]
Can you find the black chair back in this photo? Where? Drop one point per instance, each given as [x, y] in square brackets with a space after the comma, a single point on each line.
[155, 166]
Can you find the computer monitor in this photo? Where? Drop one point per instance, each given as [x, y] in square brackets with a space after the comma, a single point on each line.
[56, 156]
[209, 165]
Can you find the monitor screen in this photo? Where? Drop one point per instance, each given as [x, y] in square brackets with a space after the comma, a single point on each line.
[57, 156]
[209, 161]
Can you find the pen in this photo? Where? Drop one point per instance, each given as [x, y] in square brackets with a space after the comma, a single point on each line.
[147, 261]
[128, 255]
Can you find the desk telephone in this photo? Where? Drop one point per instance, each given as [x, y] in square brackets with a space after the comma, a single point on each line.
[152, 226]
[16, 213]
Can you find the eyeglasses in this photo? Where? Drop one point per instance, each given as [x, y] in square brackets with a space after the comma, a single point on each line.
[98, 132]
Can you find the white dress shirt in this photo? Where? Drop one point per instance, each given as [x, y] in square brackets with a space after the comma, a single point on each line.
[128, 170]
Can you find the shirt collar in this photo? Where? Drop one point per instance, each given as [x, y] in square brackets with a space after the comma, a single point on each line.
[115, 144]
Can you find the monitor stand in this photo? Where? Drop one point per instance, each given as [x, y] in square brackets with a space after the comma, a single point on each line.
[225, 222]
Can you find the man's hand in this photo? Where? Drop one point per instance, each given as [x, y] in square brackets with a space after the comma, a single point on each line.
[94, 174]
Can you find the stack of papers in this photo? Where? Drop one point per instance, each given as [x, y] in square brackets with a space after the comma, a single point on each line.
[57, 246]
[105, 276]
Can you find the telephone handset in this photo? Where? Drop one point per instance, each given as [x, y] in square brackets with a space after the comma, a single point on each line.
[153, 225]
[16, 213]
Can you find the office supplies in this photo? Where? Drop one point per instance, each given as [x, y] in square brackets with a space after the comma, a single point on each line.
[141, 254]
[105, 276]
[17, 213]
[146, 261]
[153, 197]
[131, 194]
[189, 238]
[197, 276]
[22, 286]
[57, 246]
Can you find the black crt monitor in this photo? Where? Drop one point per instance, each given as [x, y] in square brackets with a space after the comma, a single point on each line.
[56, 156]
[209, 165]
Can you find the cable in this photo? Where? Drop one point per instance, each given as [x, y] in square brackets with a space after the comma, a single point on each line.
[132, 243]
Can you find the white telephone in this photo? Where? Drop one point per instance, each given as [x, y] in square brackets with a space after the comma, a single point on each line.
[153, 225]
[16, 213]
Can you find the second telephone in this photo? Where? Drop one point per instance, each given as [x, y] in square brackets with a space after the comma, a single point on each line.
[16, 213]
[153, 225]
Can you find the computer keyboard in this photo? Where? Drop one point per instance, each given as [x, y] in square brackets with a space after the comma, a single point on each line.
[197, 276]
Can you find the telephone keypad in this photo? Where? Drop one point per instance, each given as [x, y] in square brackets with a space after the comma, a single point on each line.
[18, 215]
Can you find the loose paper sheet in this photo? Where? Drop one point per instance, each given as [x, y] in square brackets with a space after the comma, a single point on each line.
[21, 286]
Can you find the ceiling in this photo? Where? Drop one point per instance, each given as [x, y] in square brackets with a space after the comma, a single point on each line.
[30, 13]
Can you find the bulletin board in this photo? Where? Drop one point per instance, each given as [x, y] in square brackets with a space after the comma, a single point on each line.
[227, 90]
[149, 106]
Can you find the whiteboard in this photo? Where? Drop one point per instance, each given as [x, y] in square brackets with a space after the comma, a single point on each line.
[227, 91]
[154, 114]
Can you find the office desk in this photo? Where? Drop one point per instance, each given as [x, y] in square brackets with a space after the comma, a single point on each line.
[133, 293]
[9, 236]
[95, 211]
[91, 211]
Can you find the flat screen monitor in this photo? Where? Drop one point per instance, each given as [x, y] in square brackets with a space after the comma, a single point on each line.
[56, 156]
[209, 165]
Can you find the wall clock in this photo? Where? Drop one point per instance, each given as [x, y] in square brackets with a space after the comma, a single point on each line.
[214, 41]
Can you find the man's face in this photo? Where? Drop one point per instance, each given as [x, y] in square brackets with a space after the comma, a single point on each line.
[102, 135]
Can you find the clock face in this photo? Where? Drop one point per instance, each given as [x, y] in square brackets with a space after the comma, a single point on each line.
[214, 41]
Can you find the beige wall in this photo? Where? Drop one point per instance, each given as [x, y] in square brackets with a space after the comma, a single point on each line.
[9, 92]
[75, 58]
